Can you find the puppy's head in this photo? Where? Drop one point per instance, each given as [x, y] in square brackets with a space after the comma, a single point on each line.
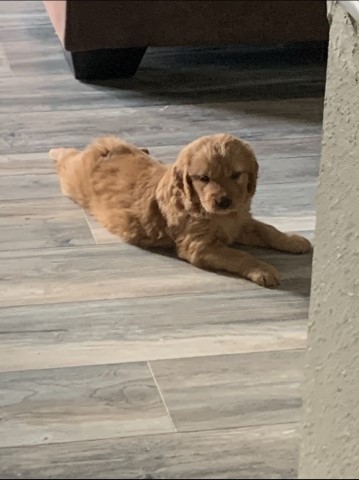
[217, 173]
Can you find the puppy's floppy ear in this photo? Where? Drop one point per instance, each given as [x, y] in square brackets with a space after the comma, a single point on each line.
[182, 180]
[145, 150]
[252, 178]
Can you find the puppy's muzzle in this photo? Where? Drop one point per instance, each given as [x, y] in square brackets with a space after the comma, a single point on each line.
[224, 202]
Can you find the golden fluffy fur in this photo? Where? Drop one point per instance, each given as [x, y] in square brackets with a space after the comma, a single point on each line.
[200, 205]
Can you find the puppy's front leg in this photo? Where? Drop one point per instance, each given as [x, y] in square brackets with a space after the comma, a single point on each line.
[258, 234]
[218, 256]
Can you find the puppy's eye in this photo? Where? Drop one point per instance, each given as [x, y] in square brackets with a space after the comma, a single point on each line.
[204, 178]
[236, 175]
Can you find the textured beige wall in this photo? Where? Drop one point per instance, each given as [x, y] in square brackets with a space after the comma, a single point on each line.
[330, 445]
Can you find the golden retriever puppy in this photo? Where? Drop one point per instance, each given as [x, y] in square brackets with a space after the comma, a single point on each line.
[201, 205]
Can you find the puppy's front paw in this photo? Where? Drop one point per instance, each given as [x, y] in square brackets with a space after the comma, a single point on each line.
[298, 244]
[263, 274]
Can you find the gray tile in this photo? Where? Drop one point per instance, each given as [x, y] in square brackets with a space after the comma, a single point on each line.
[33, 59]
[260, 452]
[161, 125]
[160, 87]
[285, 199]
[42, 223]
[100, 272]
[232, 390]
[21, 187]
[26, 164]
[151, 328]
[76, 404]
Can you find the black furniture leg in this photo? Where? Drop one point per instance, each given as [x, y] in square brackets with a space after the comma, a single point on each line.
[105, 63]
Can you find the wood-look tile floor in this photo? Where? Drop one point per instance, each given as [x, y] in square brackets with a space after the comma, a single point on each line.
[121, 363]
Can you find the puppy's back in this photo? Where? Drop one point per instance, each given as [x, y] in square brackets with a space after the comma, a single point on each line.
[107, 166]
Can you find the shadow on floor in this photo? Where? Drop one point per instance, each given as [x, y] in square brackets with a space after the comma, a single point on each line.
[295, 270]
[226, 75]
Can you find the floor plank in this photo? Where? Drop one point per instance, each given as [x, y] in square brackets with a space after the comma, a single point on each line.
[284, 159]
[260, 452]
[99, 233]
[291, 118]
[26, 164]
[33, 59]
[20, 187]
[90, 273]
[121, 271]
[233, 390]
[42, 223]
[267, 149]
[62, 93]
[282, 199]
[76, 404]
[140, 329]
[303, 224]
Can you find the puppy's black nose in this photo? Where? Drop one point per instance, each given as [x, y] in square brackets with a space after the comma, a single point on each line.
[224, 202]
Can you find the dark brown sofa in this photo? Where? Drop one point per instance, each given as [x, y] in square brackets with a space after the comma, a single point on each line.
[108, 38]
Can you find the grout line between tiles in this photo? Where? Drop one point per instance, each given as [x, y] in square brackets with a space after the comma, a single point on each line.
[162, 398]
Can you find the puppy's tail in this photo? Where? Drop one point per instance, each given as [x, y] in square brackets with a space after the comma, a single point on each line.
[75, 169]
